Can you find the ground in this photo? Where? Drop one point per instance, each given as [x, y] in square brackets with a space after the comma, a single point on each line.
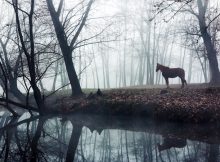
[196, 103]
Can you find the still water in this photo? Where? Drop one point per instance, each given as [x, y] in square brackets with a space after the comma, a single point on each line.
[105, 139]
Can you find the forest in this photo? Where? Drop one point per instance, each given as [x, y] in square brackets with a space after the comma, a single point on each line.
[98, 80]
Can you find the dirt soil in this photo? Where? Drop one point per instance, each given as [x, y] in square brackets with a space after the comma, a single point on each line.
[193, 104]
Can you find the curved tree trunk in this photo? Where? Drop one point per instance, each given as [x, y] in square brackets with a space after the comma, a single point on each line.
[15, 91]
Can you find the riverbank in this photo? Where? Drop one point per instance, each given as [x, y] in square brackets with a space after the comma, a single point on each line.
[194, 104]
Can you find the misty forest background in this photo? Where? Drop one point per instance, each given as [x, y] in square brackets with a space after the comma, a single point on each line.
[52, 52]
[112, 43]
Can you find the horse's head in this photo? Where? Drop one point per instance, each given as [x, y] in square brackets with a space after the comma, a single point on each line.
[157, 67]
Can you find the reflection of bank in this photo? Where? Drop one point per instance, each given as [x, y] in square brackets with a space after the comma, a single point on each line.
[169, 142]
[91, 138]
[208, 133]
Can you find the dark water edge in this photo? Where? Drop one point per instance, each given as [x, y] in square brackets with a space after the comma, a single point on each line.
[110, 138]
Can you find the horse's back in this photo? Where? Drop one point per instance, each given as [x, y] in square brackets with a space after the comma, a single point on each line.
[174, 72]
[180, 70]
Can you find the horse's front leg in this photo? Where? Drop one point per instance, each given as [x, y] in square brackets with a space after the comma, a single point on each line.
[167, 82]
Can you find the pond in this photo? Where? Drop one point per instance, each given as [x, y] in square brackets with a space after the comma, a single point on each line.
[105, 139]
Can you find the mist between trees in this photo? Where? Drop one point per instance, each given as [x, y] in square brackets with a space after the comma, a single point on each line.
[51, 45]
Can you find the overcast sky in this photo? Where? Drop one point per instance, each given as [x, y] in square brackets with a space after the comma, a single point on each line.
[110, 8]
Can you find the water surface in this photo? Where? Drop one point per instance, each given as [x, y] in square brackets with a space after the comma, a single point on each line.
[105, 139]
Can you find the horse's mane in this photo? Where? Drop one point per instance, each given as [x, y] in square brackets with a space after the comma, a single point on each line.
[165, 67]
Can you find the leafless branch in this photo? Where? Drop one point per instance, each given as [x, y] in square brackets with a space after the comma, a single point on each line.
[82, 23]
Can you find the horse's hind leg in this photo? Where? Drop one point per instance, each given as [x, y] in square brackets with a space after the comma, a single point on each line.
[183, 81]
[167, 82]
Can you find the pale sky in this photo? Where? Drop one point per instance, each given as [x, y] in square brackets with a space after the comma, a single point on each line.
[103, 8]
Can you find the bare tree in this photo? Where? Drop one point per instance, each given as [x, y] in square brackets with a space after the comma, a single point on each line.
[29, 51]
[10, 61]
[67, 45]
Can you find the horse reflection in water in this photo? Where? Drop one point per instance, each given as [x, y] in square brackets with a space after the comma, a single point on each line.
[171, 73]
[169, 142]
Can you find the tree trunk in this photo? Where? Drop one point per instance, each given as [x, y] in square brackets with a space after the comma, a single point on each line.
[190, 69]
[211, 51]
[212, 57]
[35, 140]
[73, 143]
[55, 77]
[66, 50]
[15, 91]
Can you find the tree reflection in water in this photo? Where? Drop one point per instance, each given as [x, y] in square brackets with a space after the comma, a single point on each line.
[68, 139]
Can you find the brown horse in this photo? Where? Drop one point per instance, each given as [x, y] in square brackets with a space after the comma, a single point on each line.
[171, 73]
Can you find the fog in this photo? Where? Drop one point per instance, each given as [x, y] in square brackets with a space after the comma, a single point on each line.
[99, 80]
[123, 40]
